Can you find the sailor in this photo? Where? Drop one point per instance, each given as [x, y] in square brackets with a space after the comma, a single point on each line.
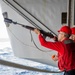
[73, 34]
[65, 48]
[55, 56]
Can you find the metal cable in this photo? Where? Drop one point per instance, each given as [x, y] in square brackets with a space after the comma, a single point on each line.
[27, 44]
[24, 16]
[36, 45]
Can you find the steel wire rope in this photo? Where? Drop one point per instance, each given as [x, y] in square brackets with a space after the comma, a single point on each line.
[20, 40]
[27, 44]
[36, 45]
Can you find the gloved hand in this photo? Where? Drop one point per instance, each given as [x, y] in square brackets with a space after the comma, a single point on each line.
[37, 31]
[55, 57]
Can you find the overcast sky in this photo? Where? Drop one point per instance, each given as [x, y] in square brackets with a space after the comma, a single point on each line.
[3, 31]
[4, 39]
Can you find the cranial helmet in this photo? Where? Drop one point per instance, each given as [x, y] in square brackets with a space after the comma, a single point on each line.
[65, 29]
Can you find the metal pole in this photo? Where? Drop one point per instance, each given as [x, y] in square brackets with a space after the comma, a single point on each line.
[69, 13]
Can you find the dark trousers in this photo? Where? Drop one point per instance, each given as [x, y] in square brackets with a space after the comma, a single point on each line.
[71, 72]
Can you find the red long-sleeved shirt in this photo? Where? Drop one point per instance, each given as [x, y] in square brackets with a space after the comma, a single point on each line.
[66, 52]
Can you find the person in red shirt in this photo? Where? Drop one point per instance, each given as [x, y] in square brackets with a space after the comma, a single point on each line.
[65, 48]
[73, 34]
[54, 56]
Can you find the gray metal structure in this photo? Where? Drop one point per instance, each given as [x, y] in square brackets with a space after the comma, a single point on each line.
[42, 14]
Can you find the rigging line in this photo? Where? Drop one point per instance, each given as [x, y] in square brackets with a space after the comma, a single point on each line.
[26, 44]
[19, 39]
[27, 20]
[29, 45]
[36, 45]
[20, 13]
[15, 65]
[24, 16]
[33, 16]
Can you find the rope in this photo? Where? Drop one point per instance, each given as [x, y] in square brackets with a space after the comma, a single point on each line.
[36, 45]
[19, 39]
[15, 65]
[27, 44]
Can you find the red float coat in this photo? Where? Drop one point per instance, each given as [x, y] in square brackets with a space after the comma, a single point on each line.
[66, 52]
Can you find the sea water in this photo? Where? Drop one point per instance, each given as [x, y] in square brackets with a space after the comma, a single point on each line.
[7, 54]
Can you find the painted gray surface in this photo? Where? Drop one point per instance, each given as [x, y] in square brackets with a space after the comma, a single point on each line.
[48, 12]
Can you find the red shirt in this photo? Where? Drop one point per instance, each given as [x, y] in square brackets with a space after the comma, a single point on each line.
[66, 52]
